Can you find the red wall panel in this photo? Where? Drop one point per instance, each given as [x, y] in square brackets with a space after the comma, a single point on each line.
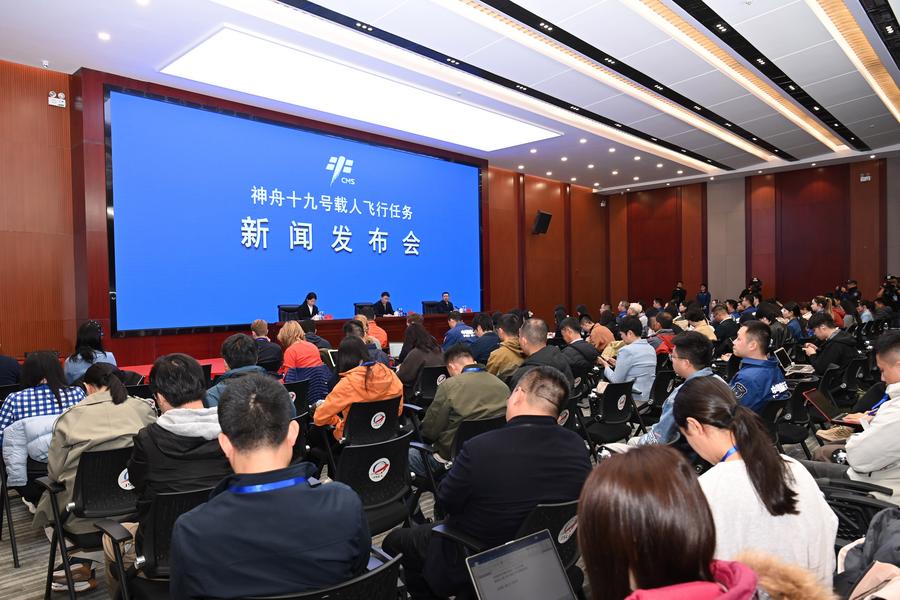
[618, 248]
[590, 250]
[654, 243]
[545, 265]
[868, 218]
[693, 236]
[504, 268]
[761, 231]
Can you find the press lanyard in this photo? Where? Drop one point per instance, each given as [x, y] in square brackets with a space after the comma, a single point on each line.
[367, 364]
[472, 370]
[732, 450]
[874, 409]
[266, 487]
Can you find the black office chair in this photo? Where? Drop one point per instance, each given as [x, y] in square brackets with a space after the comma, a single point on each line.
[7, 510]
[663, 385]
[770, 415]
[130, 377]
[299, 393]
[97, 494]
[207, 375]
[377, 584]
[359, 307]
[427, 384]
[795, 425]
[271, 366]
[6, 390]
[379, 473]
[853, 374]
[830, 382]
[155, 544]
[612, 415]
[854, 512]
[139, 391]
[288, 312]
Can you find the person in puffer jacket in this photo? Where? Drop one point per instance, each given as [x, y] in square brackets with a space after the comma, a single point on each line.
[23, 440]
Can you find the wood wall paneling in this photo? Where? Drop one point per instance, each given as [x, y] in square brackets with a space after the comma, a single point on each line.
[761, 232]
[590, 250]
[813, 238]
[37, 277]
[544, 262]
[868, 224]
[618, 248]
[693, 237]
[504, 269]
[654, 243]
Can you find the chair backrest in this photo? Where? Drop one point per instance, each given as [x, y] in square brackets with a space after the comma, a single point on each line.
[131, 378]
[157, 526]
[101, 487]
[616, 403]
[771, 413]
[6, 390]
[372, 422]
[663, 361]
[378, 472]
[377, 584]
[469, 429]
[271, 367]
[562, 521]
[429, 380]
[299, 393]
[662, 386]
[854, 513]
[854, 372]
[830, 381]
[734, 365]
[329, 357]
[139, 391]
[797, 411]
[207, 374]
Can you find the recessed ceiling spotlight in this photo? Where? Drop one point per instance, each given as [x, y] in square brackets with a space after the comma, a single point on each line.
[612, 149]
[574, 179]
[636, 178]
[582, 141]
[596, 184]
[564, 159]
[533, 150]
[814, 164]
[104, 36]
[627, 189]
[615, 172]
[637, 158]
[815, 108]
[143, 2]
[679, 172]
[712, 178]
[871, 156]
[521, 167]
[549, 173]
[591, 166]
[759, 172]
[668, 184]
[659, 165]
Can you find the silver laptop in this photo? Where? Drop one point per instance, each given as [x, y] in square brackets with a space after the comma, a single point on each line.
[394, 348]
[789, 366]
[528, 568]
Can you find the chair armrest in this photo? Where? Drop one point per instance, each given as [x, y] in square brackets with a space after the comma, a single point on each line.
[423, 448]
[54, 487]
[380, 554]
[413, 407]
[856, 486]
[466, 541]
[114, 530]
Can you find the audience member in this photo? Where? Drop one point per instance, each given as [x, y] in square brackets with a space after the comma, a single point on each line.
[496, 481]
[355, 328]
[636, 361]
[295, 534]
[733, 309]
[267, 351]
[444, 306]
[459, 332]
[805, 314]
[679, 294]
[470, 393]
[367, 337]
[410, 319]
[310, 335]
[373, 329]
[704, 298]
[88, 350]
[308, 309]
[760, 378]
[873, 454]
[883, 310]
[640, 496]
[755, 494]
[791, 312]
[837, 347]
[691, 356]
[768, 313]
[383, 307]
[303, 361]
[637, 311]
[724, 324]
[655, 307]
[696, 318]
[753, 287]
[621, 310]
[599, 336]
[850, 308]
[362, 380]
[10, 371]
[27, 418]
[423, 352]
[508, 355]
[240, 354]
[487, 339]
[748, 304]
[852, 292]
[864, 311]
[107, 419]
[533, 340]
[609, 320]
[661, 333]
[581, 355]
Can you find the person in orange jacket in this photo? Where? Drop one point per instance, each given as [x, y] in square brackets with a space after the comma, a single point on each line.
[362, 380]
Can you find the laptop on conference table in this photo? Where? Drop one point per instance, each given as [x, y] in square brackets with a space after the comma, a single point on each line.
[827, 408]
[523, 569]
[789, 366]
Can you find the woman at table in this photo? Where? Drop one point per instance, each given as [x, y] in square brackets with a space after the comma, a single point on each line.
[88, 350]
[308, 309]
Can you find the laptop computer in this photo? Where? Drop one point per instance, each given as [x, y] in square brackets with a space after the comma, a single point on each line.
[394, 349]
[827, 408]
[789, 366]
[525, 568]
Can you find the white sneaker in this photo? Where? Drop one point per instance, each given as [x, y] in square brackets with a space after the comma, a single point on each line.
[29, 506]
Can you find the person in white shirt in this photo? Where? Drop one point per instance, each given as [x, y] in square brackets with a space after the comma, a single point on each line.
[760, 500]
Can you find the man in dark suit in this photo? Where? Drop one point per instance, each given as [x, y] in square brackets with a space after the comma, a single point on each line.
[581, 355]
[533, 340]
[383, 306]
[444, 306]
[269, 351]
[496, 481]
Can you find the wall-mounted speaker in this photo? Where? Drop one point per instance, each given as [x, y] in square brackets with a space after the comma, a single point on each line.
[541, 222]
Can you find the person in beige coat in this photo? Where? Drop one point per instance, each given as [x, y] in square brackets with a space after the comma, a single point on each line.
[508, 356]
[107, 419]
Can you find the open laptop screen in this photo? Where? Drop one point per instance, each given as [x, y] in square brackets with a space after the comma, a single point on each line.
[525, 568]
[783, 359]
[823, 403]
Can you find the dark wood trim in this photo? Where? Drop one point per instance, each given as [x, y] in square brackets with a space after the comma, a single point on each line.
[678, 219]
[607, 258]
[704, 228]
[748, 227]
[778, 246]
[567, 244]
[882, 217]
[485, 210]
[520, 226]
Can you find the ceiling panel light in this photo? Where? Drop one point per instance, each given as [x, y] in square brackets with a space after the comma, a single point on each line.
[574, 179]
[637, 158]
[612, 149]
[590, 166]
[549, 173]
[709, 50]
[533, 150]
[636, 178]
[596, 184]
[842, 26]
[521, 167]
[498, 22]
[615, 172]
[239, 61]
[103, 36]
[659, 165]
[679, 172]
[563, 158]
[582, 141]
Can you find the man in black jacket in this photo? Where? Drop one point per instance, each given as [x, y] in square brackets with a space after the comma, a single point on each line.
[726, 329]
[309, 330]
[487, 341]
[496, 481]
[581, 355]
[271, 529]
[768, 314]
[444, 306]
[383, 307]
[836, 346]
[267, 350]
[533, 340]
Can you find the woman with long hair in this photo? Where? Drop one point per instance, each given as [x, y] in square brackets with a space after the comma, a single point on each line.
[88, 350]
[26, 419]
[760, 500]
[423, 352]
[107, 419]
[361, 380]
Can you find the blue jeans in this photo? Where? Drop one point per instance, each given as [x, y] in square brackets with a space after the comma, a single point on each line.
[419, 461]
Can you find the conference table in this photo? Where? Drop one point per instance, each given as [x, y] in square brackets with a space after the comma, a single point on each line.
[218, 367]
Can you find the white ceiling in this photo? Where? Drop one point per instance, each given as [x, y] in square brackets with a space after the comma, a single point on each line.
[144, 38]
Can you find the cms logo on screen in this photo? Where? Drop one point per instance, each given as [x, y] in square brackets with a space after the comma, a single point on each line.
[340, 166]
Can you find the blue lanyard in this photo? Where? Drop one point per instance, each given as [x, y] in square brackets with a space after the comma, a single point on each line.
[732, 450]
[266, 487]
[472, 370]
[367, 364]
[874, 409]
